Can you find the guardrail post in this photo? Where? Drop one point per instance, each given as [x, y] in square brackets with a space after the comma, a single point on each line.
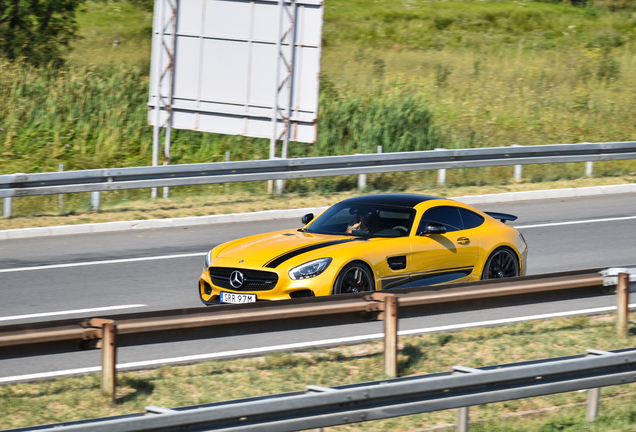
[589, 168]
[95, 200]
[622, 305]
[6, 207]
[390, 335]
[362, 178]
[518, 168]
[60, 197]
[441, 173]
[387, 305]
[362, 181]
[463, 412]
[441, 176]
[462, 419]
[593, 398]
[109, 360]
[227, 159]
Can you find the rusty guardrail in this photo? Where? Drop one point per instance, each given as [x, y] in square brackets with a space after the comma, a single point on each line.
[82, 334]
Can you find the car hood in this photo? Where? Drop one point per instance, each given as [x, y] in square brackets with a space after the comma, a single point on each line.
[272, 249]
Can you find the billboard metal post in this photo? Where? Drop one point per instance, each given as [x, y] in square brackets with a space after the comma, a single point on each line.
[162, 73]
[286, 62]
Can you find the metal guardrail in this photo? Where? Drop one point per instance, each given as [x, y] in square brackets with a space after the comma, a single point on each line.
[163, 326]
[319, 407]
[102, 180]
[304, 310]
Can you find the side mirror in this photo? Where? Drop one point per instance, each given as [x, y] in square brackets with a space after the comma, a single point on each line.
[307, 218]
[434, 228]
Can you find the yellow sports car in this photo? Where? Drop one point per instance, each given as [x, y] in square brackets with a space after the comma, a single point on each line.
[366, 243]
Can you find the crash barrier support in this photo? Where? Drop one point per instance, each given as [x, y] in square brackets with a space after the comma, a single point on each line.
[103, 180]
[7, 203]
[622, 305]
[624, 278]
[593, 402]
[462, 419]
[320, 407]
[104, 331]
[109, 360]
[387, 305]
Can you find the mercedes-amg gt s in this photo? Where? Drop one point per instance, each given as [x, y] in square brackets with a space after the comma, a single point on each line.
[366, 243]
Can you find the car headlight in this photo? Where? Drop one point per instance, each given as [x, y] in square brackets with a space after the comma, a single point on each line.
[310, 269]
[208, 260]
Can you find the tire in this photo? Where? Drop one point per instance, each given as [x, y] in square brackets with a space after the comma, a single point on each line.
[354, 277]
[502, 263]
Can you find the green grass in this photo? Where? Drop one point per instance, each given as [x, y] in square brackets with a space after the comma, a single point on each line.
[406, 75]
[85, 119]
[67, 399]
[103, 23]
[486, 27]
[495, 73]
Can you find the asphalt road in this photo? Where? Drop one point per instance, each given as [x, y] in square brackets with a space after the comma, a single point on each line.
[50, 277]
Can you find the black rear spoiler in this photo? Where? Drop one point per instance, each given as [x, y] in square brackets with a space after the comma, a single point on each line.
[502, 216]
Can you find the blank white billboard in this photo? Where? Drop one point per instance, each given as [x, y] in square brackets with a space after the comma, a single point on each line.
[225, 66]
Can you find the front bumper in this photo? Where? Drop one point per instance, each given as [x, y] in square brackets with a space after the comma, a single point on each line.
[284, 289]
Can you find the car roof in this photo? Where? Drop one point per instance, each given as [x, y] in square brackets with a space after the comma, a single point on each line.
[403, 200]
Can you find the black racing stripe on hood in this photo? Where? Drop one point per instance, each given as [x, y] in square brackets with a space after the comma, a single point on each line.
[289, 255]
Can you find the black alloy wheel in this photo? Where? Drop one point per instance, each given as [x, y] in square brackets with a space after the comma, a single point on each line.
[502, 263]
[354, 277]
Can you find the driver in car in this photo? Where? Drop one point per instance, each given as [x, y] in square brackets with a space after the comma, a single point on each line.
[366, 221]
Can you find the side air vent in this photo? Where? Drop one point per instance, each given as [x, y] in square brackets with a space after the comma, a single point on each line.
[302, 293]
[397, 262]
[207, 289]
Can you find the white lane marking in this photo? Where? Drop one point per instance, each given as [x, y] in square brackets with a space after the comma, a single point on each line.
[295, 346]
[128, 260]
[575, 222]
[194, 358]
[88, 263]
[69, 312]
[55, 374]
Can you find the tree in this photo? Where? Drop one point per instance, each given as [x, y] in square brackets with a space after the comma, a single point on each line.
[38, 30]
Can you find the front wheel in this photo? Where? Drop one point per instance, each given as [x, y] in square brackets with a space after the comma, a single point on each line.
[354, 277]
[503, 263]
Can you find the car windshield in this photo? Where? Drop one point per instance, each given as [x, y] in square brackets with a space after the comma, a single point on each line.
[368, 220]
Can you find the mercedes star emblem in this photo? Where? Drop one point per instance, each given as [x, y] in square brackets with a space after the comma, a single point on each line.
[237, 279]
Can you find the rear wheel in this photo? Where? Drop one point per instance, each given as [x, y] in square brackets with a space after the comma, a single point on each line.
[354, 277]
[502, 263]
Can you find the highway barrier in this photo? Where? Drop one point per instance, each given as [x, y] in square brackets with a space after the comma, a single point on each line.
[196, 323]
[112, 179]
[319, 407]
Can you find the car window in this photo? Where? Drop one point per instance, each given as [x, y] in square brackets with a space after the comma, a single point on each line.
[470, 219]
[362, 219]
[445, 215]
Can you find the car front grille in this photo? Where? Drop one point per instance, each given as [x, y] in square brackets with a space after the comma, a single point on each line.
[255, 280]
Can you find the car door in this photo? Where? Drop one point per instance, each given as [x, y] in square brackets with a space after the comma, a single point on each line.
[392, 268]
[440, 258]
[393, 263]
